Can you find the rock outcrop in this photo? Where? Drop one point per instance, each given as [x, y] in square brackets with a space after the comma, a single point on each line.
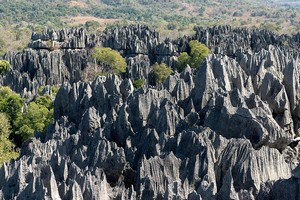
[227, 130]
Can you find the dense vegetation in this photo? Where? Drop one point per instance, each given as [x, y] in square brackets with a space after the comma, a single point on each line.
[6, 146]
[36, 117]
[24, 119]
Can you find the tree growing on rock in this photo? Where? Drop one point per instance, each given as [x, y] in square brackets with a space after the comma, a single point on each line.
[115, 62]
[6, 146]
[4, 66]
[160, 72]
[11, 103]
[138, 83]
[198, 52]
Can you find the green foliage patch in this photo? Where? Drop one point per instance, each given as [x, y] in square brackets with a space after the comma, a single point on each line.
[161, 72]
[197, 54]
[11, 104]
[110, 57]
[25, 120]
[138, 83]
[6, 146]
[37, 116]
[4, 66]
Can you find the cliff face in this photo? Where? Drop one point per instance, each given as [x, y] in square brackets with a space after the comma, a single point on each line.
[223, 131]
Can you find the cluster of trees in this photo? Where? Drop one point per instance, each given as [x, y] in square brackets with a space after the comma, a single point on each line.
[35, 117]
[4, 66]
[194, 58]
[19, 122]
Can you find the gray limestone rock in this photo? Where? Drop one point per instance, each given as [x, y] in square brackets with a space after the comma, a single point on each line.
[222, 131]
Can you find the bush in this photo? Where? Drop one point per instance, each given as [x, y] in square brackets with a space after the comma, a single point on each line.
[197, 54]
[138, 83]
[6, 146]
[172, 26]
[11, 103]
[116, 63]
[4, 66]
[161, 72]
[183, 61]
[37, 116]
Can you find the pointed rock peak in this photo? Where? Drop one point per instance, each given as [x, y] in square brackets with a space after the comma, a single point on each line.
[187, 70]
[227, 188]
[99, 79]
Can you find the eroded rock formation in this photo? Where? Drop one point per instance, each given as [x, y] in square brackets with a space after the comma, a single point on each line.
[227, 130]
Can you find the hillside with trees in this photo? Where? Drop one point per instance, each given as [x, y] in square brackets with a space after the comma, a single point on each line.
[171, 18]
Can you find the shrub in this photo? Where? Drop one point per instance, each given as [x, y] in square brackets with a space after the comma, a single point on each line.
[37, 116]
[11, 103]
[91, 25]
[138, 83]
[197, 54]
[111, 58]
[6, 146]
[172, 26]
[4, 66]
[161, 72]
[183, 61]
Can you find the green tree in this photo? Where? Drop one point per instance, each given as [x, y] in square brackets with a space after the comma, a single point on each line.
[6, 146]
[138, 83]
[37, 116]
[111, 58]
[4, 66]
[161, 72]
[197, 54]
[11, 103]
[183, 61]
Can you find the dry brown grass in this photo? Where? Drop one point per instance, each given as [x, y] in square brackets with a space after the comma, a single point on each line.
[187, 8]
[78, 20]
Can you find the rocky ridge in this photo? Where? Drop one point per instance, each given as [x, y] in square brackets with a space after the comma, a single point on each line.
[223, 131]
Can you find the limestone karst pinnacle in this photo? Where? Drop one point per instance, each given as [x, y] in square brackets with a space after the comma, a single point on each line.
[222, 131]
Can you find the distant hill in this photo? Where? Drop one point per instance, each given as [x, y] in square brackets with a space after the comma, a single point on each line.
[17, 16]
